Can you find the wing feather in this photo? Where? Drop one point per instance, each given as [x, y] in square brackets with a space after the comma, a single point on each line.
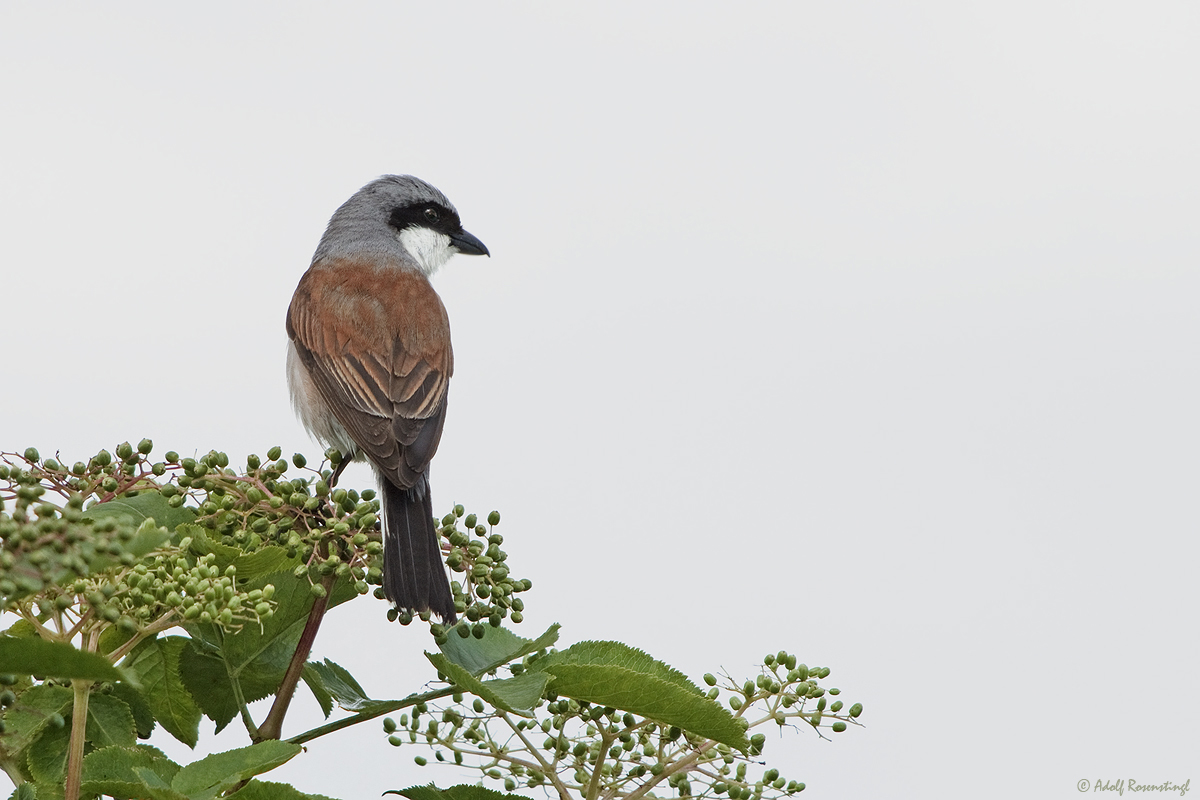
[376, 343]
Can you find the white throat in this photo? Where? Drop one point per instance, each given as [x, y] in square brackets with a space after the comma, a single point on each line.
[430, 248]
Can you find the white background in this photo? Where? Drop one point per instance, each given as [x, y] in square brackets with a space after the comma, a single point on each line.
[863, 330]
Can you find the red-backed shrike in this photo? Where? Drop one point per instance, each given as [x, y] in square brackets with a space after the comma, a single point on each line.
[370, 361]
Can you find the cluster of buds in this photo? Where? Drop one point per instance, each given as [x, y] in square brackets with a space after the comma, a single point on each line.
[65, 564]
[484, 591]
[56, 550]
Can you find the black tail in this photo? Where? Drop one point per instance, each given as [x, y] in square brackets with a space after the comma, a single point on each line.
[414, 577]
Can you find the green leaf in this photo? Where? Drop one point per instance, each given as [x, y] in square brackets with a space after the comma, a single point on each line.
[208, 777]
[340, 684]
[53, 659]
[203, 545]
[25, 791]
[516, 695]
[156, 663]
[25, 720]
[111, 770]
[143, 717]
[499, 646]
[265, 790]
[47, 756]
[618, 655]
[317, 686]
[156, 787]
[147, 505]
[460, 792]
[264, 561]
[614, 674]
[48, 791]
[256, 658]
[21, 629]
[209, 675]
[109, 722]
[111, 638]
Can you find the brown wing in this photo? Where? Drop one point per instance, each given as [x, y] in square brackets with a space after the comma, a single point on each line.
[376, 343]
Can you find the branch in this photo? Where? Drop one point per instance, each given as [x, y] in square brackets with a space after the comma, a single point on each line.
[364, 716]
[272, 726]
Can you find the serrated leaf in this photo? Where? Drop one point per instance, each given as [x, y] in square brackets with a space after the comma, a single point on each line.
[614, 674]
[619, 655]
[517, 695]
[147, 505]
[266, 790]
[340, 684]
[156, 787]
[459, 792]
[25, 720]
[209, 678]
[649, 697]
[111, 770]
[264, 561]
[109, 722]
[48, 791]
[31, 656]
[317, 686]
[499, 646]
[156, 663]
[47, 756]
[143, 717]
[208, 777]
[25, 791]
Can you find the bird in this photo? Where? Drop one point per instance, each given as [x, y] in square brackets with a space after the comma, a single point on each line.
[369, 363]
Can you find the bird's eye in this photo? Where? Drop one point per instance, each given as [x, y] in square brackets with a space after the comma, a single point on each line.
[432, 214]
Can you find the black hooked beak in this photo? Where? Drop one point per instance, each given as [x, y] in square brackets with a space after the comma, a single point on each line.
[468, 245]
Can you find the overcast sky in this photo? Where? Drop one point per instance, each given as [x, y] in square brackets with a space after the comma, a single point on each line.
[863, 330]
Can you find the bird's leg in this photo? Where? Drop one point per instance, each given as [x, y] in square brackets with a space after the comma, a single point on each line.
[337, 471]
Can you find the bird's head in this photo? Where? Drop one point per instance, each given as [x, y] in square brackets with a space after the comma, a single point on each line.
[407, 210]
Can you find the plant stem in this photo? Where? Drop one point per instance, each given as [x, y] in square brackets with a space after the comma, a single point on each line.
[379, 711]
[593, 786]
[272, 726]
[79, 714]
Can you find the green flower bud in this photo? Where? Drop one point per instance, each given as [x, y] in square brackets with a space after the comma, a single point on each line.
[299, 460]
[839, 726]
[274, 453]
[31, 454]
[494, 518]
[855, 710]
